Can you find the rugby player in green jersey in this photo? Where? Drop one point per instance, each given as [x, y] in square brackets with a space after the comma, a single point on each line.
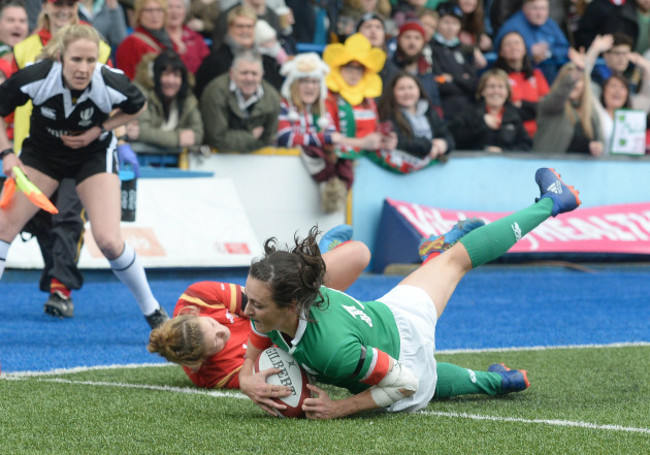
[209, 332]
[381, 351]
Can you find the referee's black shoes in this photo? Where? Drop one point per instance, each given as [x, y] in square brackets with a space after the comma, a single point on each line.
[156, 318]
[59, 305]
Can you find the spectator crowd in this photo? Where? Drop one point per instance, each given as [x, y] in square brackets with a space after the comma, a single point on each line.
[401, 82]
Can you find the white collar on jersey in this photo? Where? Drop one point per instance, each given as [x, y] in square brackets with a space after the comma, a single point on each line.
[300, 331]
[42, 90]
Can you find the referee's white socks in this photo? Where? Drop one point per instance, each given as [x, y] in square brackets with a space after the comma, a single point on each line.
[4, 249]
[128, 269]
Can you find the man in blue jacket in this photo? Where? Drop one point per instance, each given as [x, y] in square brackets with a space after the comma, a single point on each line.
[544, 39]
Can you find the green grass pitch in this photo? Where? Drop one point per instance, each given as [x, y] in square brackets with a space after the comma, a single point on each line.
[582, 401]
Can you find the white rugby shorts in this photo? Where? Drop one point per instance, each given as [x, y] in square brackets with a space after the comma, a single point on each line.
[416, 317]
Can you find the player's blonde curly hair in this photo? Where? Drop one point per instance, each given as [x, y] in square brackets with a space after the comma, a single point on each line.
[179, 340]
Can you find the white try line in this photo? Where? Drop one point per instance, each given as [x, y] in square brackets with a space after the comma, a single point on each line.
[457, 415]
[162, 388]
[558, 423]
[63, 371]
[545, 348]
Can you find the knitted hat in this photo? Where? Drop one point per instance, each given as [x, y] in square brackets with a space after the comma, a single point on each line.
[304, 65]
[263, 32]
[368, 17]
[414, 26]
[450, 9]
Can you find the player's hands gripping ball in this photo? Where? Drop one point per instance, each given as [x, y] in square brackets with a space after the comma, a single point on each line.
[291, 375]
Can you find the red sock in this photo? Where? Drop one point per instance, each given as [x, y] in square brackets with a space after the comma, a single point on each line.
[56, 285]
[433, 254]
[340, 244]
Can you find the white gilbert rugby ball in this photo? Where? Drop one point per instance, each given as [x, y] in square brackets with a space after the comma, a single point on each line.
[292, 375]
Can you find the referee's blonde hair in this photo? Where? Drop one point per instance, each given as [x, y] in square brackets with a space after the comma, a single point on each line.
[56, 47]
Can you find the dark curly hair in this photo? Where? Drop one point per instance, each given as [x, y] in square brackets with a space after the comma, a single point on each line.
[293, 276]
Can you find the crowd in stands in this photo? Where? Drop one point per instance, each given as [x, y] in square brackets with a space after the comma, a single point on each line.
[402, 82]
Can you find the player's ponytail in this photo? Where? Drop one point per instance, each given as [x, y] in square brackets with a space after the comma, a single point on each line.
[295, 276]
[179, 340]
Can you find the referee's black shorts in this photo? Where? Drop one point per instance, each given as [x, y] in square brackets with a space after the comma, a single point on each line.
[69, 163]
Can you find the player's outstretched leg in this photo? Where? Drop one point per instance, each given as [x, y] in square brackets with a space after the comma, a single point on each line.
[512, 380]
[435, 245]
[334, 237]
[455, 381]
[495, 239]
[485, 244]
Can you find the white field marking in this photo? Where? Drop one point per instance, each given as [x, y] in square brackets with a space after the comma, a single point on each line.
[218, 394]
[191, 391]
[559, 423]
[546, 348]
[63, 371]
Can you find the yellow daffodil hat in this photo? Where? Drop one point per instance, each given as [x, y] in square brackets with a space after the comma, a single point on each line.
[356, 48]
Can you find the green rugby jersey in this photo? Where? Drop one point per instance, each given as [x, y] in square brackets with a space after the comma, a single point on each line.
[346, 343]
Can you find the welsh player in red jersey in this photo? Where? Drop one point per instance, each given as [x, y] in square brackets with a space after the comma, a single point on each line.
[209, 332]
[382, 351]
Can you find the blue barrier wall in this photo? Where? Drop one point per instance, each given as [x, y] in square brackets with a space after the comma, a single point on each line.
[493, 182]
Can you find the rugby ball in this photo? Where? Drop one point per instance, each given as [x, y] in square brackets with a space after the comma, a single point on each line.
[292, 376]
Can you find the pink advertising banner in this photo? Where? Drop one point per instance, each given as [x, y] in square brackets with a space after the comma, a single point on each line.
[623, 228]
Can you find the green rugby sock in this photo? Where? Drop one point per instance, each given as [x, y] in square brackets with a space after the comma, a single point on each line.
[454, 381]
[492, 241]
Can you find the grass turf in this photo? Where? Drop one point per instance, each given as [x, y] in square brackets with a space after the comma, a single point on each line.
[575, 387]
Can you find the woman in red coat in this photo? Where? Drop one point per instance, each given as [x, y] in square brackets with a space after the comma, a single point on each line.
[149, 35]
[189, 44]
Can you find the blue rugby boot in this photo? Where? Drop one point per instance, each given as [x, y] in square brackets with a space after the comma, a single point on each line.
[565, 197]
[511, 380]
[438, 244]
[334, 237]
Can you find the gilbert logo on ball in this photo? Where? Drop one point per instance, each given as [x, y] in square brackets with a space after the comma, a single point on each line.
[292, 376]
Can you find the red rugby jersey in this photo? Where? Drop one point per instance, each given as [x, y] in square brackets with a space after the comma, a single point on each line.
[222, 302]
